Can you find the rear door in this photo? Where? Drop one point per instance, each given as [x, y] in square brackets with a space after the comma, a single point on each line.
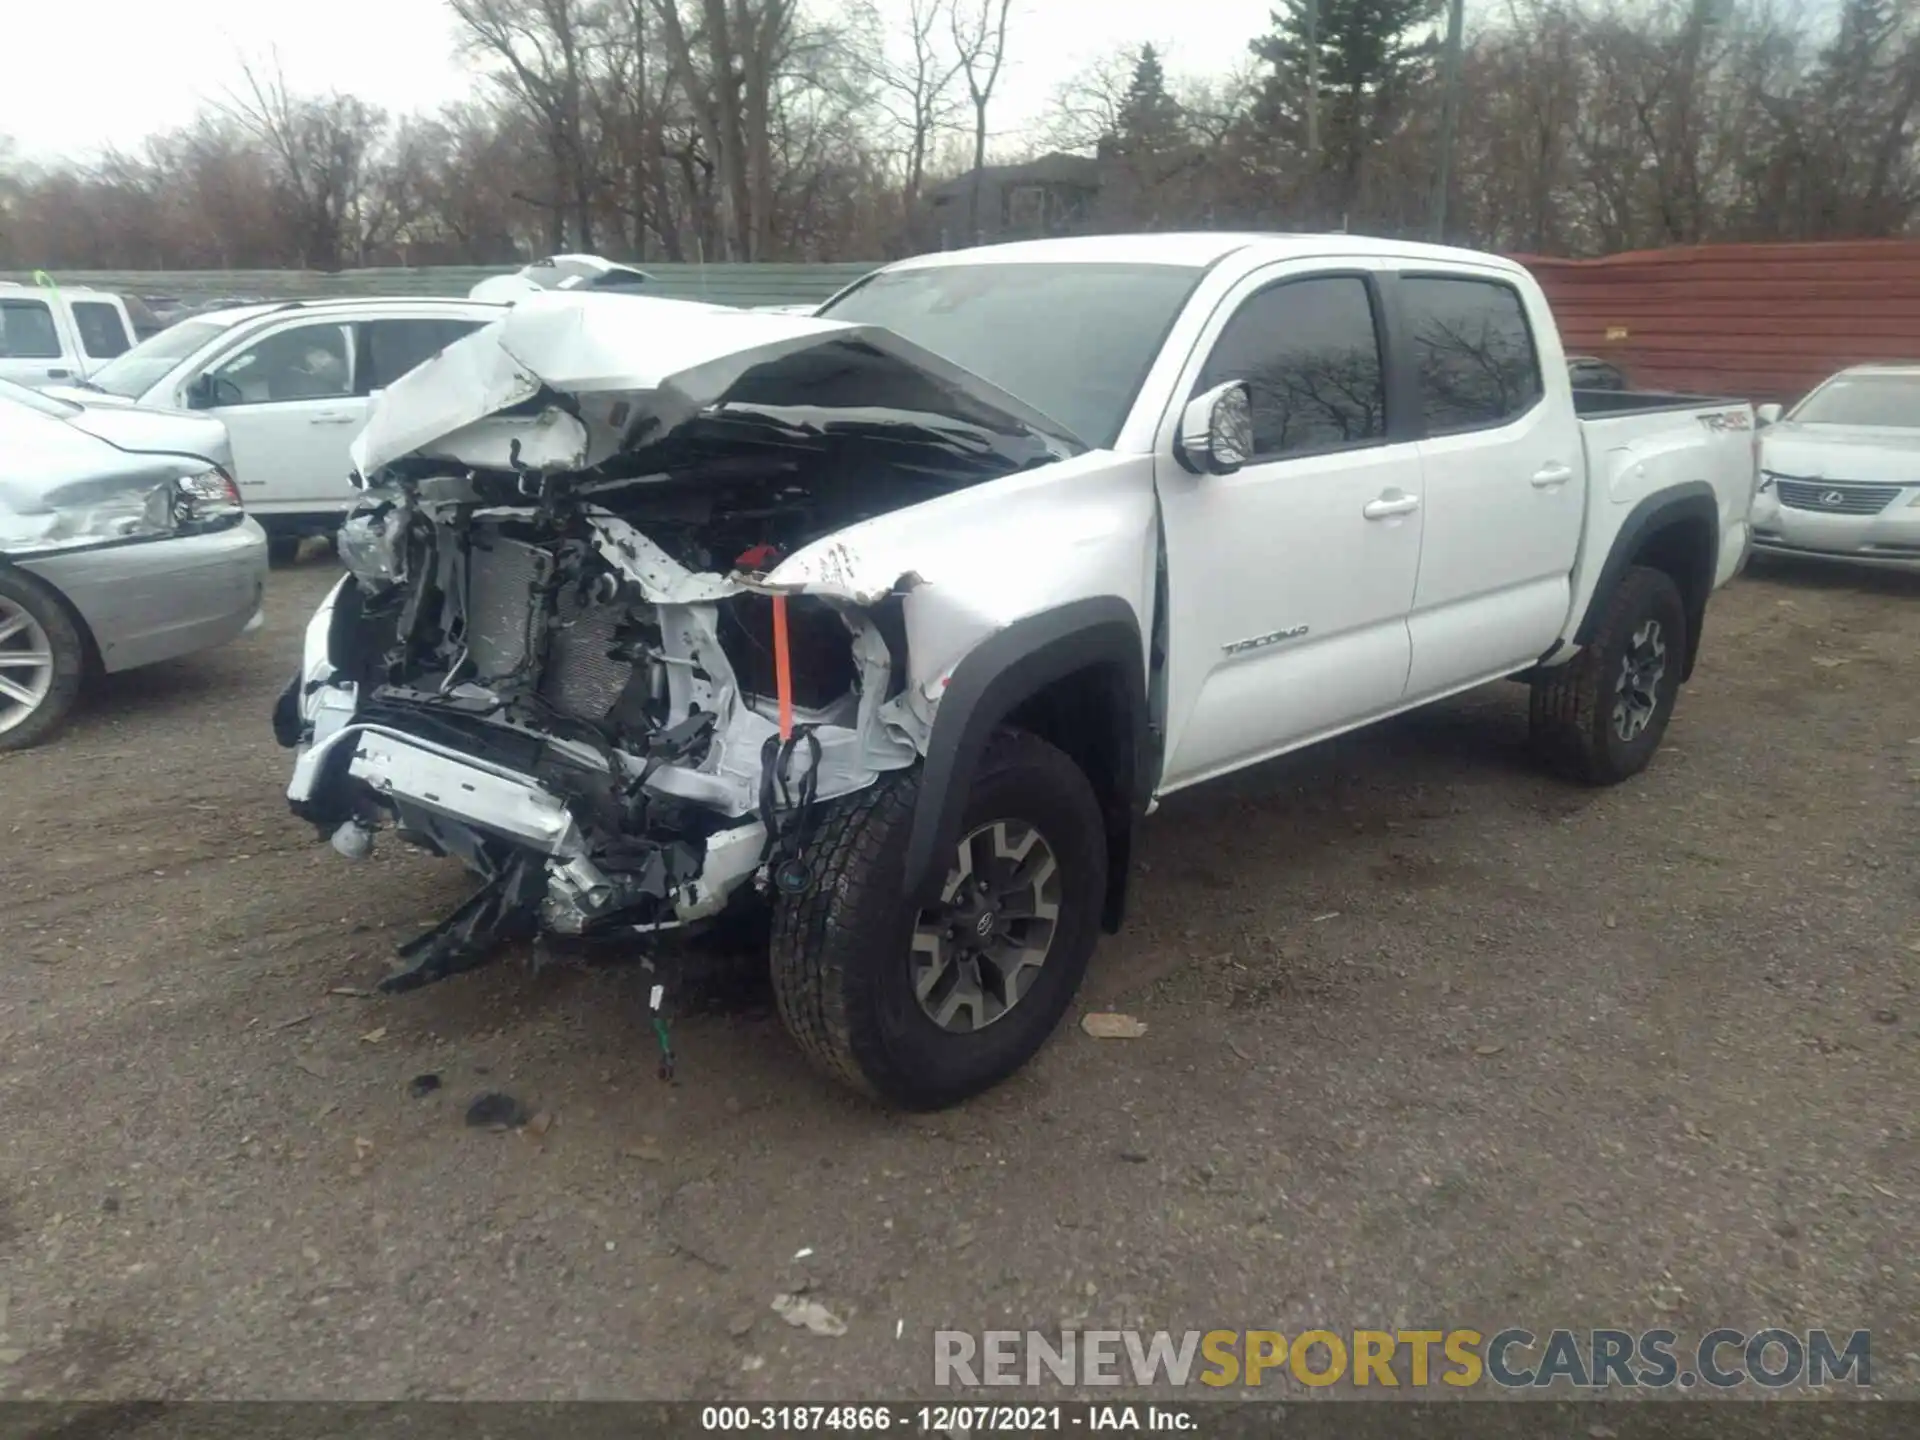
[35, 348]
[1505, 478]
[289, 400]
[103, 330]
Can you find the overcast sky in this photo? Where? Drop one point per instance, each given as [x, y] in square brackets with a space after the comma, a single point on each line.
[156, 63]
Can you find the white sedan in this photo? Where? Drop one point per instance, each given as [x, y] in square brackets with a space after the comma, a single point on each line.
[1840, 472]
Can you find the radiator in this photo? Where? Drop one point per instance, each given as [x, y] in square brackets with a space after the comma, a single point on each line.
[503, 616]
[580, 678]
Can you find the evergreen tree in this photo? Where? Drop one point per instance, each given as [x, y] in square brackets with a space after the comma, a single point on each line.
[1150, 117]
[1372, 54]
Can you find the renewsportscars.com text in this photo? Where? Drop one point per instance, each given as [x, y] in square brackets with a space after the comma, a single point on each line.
[1511, 1359]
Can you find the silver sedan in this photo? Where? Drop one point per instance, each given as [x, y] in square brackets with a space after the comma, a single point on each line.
[1840, 472]
[122, 543]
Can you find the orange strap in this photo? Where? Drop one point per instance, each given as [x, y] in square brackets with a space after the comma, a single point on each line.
[782, 667]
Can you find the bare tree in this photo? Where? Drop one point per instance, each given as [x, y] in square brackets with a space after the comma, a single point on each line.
[980, 40]
[914, 88]
[746, 129]
[322, 148]
[545, 47]
[1089, 105]
[728, 64]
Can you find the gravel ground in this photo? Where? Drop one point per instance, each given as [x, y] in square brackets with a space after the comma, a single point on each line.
[1432, 1041]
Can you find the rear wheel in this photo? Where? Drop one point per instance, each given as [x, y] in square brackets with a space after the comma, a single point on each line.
[926, 1006]
[1600, 717]
[42, 660]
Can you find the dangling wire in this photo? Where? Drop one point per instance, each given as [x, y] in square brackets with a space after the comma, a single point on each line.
[782, 856]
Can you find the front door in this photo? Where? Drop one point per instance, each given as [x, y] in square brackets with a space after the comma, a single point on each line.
[33, 351]
[291, 407]
[1289, 581]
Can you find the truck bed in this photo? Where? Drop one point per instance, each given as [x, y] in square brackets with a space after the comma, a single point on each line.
[1595, 404]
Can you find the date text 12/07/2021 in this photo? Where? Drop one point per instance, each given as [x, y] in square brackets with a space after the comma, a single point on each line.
[946, 1419]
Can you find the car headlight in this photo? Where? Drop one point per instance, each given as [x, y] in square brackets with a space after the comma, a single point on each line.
[205, 501]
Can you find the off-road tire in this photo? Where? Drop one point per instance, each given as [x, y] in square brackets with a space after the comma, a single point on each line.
[69, 650]
[1572, 706]
[841, 951]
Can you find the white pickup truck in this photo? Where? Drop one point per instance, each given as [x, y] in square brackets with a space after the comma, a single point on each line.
[898, 619]
[51, 336]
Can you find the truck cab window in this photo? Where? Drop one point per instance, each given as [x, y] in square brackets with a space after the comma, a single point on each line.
[1310, 353]
[26, 331]
[1478, 368]
[102, 334]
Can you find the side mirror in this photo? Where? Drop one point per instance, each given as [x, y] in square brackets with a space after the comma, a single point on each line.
[1767, 415]
[1216, 429]
[199, 392]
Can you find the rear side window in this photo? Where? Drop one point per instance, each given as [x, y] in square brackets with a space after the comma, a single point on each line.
[26, 331]
[101, 333]
[395, 346]
[1478, 367]
[1310, 354]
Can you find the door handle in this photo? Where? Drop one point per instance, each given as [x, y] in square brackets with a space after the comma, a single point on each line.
[331, 420]
[59, 374]
[1389, 505]
[1548, 476]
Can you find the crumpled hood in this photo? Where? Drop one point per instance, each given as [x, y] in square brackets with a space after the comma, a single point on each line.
[634, 368]
[1837, 452]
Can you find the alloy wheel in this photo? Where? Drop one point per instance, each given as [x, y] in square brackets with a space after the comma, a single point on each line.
[978, 951]
[26, 665]
[1636, 693]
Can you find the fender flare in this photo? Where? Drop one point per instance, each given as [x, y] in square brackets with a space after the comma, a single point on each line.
[1007, 668]
[1693, 500]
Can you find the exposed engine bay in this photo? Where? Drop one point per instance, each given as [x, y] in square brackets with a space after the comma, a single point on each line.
[567, 652]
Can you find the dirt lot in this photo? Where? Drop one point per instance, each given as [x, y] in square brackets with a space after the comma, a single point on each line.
[1432, 1040]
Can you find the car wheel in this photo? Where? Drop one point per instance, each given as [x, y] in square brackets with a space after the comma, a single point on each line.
[42, 660]
[1600, 717]
[924, 1007]
[284, 549]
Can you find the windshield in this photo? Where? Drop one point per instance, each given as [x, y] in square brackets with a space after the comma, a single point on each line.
[134, 373]
[1073, 341]
[34, 400]
[1889, 400]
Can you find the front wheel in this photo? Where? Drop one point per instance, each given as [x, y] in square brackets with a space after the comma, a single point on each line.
[1600, 717]
[42, 660]
[925, 1007]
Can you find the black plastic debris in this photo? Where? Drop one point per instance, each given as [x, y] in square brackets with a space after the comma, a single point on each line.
[422, 1086]
[497, 1111]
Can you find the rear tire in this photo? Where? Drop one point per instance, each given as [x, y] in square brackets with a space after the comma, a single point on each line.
[1599, 717]
[284, 549]
[43, 659]
[853, 958]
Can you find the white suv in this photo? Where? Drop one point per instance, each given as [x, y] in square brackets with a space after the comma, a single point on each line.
[291, 380]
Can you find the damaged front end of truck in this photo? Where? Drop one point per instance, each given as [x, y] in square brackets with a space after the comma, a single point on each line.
[609, 633]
